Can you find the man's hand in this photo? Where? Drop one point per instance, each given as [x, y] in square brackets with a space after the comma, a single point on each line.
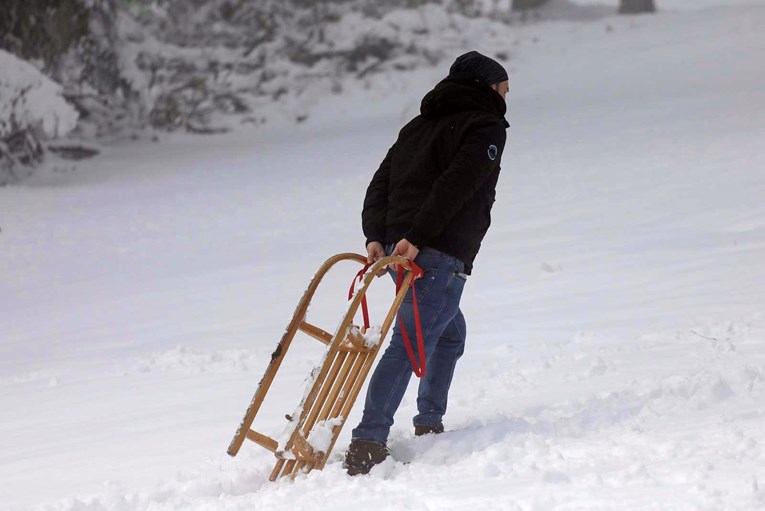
[375, 252]
[405, 249]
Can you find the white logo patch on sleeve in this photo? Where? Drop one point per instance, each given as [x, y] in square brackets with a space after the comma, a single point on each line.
[493, 152]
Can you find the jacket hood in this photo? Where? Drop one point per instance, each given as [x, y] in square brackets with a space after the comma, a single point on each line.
[451, 96]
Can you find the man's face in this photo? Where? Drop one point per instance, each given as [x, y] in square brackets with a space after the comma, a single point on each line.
[502, 88]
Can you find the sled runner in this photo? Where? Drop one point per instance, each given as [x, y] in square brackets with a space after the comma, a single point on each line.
[335, 383]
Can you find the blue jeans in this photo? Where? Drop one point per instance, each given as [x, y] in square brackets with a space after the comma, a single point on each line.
[443, 329]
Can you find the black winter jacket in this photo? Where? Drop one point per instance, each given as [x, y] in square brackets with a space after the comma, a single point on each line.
[436, 185]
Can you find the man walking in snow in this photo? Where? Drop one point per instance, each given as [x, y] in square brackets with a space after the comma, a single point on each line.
[430, 202]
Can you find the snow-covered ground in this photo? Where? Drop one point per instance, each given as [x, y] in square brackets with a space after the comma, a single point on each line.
[616, 314]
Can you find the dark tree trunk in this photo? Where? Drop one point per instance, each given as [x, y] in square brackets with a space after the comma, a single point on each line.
[41, 29]
[636, 6]
[523, 5]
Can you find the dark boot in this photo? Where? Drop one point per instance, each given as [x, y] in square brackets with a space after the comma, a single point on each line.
[427, 430]
[362, 455]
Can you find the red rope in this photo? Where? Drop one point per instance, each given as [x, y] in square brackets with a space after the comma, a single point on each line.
[364, 309]
[418, 366]
[418, 362]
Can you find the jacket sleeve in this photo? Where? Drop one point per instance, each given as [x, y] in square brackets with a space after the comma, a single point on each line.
[376, 203]
[478, 156]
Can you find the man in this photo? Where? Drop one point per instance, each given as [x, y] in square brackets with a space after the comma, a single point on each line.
[430, 202]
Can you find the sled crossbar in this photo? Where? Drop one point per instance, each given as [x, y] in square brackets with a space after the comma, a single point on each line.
[316, 332]
[333, 386]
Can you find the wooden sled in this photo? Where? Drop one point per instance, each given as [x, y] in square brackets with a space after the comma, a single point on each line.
[333, 385]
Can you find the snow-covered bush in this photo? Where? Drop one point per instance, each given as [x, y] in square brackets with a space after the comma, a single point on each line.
[29, 99]
[201, 64]
[32, 106]
[78, 44]
[207, 59]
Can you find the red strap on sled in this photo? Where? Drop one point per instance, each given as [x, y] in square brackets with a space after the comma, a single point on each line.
[364, 309]
[418, 366]
[418, 363]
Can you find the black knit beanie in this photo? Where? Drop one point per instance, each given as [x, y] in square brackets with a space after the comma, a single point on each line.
[474, 66]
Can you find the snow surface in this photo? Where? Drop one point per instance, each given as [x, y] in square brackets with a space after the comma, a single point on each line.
[616, 314]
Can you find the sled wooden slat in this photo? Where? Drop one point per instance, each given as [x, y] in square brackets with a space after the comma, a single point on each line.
[355, 340]
[277, 469]
[263, 440]
[316, 332]
[288, 467]
[295, 471]
[353, 374]
[325, 389]
[302, 448]
[333, 394]
[333, 386]
[350, 390]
